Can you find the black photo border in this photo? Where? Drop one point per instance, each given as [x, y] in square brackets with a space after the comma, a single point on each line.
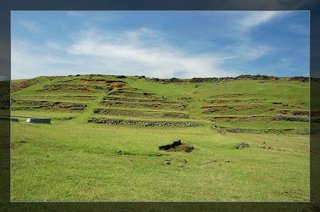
[6, 6]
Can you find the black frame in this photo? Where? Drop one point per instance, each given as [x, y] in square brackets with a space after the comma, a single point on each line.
[6, 6]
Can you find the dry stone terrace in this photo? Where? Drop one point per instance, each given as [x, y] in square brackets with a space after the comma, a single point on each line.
[119, 100]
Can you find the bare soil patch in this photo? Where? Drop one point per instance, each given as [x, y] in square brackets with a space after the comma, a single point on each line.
[31, 105]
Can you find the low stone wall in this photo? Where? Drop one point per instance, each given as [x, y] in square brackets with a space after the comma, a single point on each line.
[144, 123]
[289, 118]
[261, 131]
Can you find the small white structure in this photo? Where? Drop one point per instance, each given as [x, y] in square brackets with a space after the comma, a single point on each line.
[39, 120]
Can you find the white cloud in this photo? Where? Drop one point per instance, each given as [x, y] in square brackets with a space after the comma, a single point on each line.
[141, 50]
[138, 52]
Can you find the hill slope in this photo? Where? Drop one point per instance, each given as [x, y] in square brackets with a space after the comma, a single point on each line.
[230, 103]
[103, 143]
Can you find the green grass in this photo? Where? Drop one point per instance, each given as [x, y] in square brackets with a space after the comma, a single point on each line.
[79, 161]
[57, 163]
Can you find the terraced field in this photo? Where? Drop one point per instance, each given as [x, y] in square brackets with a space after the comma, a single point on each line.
[103, 143]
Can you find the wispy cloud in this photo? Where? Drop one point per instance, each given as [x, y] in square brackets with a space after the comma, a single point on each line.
[255, 19]
[248, 51]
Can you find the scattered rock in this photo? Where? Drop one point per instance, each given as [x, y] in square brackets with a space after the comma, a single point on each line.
[227, 161]
[242, 146]
[266, 146]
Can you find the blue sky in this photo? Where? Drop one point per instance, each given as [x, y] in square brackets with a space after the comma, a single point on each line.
[163, 44]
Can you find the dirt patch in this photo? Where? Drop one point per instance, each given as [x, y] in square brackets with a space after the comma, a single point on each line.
[237, 118]
[128, 99]
[118, 112]
[142, 105]
[23, 84]
[73, 88]
[228, 108]
[177, 146]
[114, 83]
[117, 84]
[131, 93]
[214, 101]
[60, 97]
[33, 105]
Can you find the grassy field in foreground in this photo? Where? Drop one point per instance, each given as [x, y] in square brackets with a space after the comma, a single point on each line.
[115, 156]
[81, 162]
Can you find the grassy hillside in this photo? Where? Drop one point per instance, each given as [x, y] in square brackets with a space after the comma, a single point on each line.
[105, 133]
